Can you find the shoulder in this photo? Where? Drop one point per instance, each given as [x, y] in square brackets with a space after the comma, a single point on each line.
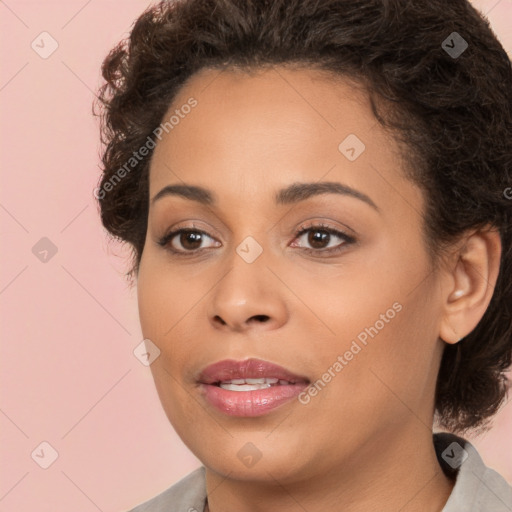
[477, 487]
[186, 495]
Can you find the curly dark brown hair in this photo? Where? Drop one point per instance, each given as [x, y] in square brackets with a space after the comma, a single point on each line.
[452, 112]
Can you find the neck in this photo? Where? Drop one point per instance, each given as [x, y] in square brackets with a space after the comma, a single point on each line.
[399, 472]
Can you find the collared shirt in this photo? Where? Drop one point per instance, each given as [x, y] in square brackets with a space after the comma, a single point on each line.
[477, 487]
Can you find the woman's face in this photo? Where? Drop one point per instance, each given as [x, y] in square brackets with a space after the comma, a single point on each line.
[357, 313]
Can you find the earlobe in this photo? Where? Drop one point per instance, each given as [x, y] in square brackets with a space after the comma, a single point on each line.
[472, 281]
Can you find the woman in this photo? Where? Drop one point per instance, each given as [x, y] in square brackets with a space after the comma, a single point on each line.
[317, 196]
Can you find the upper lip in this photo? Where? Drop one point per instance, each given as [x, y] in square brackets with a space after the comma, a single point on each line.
[248, 369]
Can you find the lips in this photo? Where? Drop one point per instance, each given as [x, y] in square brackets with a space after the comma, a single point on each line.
[249, 388]
[248, 370]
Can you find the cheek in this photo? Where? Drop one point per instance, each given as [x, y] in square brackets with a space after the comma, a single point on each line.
[373, 385]
[164, 300]
[169, 303]
[383, 325]
[388, 367]
[164, 297]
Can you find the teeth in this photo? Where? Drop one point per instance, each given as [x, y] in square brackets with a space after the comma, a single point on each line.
[254, 381]
[244, 387]
[250, 384]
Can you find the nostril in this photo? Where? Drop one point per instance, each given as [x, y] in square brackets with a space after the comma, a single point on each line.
[261, 318]
[219, 319]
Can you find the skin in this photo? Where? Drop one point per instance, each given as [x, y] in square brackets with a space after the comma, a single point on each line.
[365, 440]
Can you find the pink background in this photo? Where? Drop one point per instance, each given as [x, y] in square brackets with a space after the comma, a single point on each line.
[69, 326]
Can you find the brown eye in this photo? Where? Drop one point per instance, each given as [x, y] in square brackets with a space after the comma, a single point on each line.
[320, 236]
[190, 239]
[187, 240]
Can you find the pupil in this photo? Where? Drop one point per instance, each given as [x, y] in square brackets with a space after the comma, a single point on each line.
[317, 241]
[191, 236]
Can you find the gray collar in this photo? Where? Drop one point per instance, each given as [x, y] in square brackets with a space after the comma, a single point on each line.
[477, 487]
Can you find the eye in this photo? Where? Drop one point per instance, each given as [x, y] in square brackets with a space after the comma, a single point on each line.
[190, 240]
[319, 235]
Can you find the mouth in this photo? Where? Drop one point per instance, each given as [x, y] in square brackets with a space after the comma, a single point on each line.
[252, 387]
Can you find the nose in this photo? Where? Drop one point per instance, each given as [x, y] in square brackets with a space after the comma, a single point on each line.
[248, 298]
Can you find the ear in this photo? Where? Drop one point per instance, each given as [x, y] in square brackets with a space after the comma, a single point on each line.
[470, 283]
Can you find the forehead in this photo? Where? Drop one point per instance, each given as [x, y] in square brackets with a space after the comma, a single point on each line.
[274, 108]
[259, 131]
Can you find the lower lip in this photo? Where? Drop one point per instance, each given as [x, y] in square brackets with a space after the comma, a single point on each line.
[250, 403]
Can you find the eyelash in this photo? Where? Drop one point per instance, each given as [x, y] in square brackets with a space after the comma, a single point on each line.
[348, 240]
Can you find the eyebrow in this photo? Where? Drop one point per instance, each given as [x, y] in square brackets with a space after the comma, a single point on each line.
[294, 193]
